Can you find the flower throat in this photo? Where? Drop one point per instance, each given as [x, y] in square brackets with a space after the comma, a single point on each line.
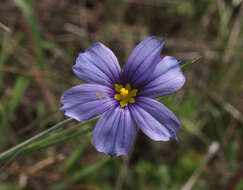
[125, 94]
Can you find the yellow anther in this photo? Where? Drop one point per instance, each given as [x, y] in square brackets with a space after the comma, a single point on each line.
[131, 100]
[125, 95]
[134, 92]
[118, 96]
[128, 87]
[123, 92]
[98, 95]
[123, 103]
[118, 87]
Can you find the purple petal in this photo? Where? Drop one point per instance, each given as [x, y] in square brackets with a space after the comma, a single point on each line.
[154, 119]
[142, 61]
[98, 64]
[85, 101]
[166, 117]
[166, 79]
[115, 132]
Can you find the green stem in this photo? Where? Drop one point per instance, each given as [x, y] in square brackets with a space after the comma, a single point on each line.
[11, 151]
[59, 134]
[57, 142]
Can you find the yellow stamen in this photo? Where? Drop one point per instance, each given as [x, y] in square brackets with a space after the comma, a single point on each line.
[118, 87]
[131, 100]
[118, 96]
[123, 103]
[125, 95]
[128, 87]
[123, 92]
[134, 92]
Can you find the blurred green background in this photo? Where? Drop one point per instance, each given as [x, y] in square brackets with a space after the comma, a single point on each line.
[40, 41]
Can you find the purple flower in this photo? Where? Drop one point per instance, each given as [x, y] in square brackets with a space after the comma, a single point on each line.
[124, 98]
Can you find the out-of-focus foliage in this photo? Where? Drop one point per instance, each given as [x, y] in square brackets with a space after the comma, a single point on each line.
[36, 58]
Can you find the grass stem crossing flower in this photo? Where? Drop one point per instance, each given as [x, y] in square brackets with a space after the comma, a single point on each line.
[125, 98]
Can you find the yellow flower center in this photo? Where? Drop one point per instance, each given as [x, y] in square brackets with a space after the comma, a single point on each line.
[125, 94]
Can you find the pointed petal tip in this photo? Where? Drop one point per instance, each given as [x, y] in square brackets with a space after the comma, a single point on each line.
[162, 41]
[176, 138]
[113, 154]
[155, 38]
[61, 109]
[72, 116]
